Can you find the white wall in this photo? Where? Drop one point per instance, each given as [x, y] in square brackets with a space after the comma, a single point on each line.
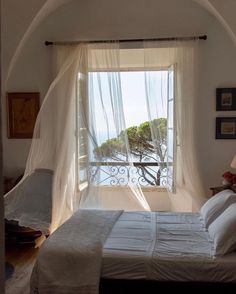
[122, 19]
[120, 197]
[217, 69]
[29, 74]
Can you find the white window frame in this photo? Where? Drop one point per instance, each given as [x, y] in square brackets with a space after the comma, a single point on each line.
[171, 179]
[83, 185]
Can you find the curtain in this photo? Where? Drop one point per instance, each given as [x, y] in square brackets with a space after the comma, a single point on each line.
[156, 92]
[54, 143]
[56, 126]
[57, 143]
[181, 59]
[110, 162]
[187, 171]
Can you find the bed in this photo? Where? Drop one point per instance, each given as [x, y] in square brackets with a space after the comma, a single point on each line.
[138, 251]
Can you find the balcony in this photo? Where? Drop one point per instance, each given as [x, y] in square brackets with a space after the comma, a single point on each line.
[121, 173]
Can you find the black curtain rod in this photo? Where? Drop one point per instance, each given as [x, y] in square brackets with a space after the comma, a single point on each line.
[203, 37]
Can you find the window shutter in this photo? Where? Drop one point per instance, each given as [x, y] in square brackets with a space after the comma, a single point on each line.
[171, 132]
[82, 133]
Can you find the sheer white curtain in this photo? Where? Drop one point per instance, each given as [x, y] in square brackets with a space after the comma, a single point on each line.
[57, 144]
[54, 143]
[156, 94]
[187, 171]
[106, 122]
[182, 58]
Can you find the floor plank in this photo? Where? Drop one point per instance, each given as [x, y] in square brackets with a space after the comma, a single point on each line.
[23, 259]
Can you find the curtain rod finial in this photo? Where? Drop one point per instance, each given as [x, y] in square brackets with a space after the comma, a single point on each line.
[47, 43]
[204, 37]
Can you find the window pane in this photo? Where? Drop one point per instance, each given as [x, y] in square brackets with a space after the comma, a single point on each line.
[171, 85]
[171, 114]
[136, 114]
[170, 141]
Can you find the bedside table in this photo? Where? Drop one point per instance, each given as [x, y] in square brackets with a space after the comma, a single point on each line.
[216, 190]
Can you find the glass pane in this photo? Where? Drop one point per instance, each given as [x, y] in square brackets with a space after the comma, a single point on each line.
[171, 85]
[171, 114]
[112, 166]
[82, 149]
[170, 140]
[170, 171]
[83, 175]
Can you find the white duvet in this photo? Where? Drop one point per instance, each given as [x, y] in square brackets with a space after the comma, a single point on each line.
[129, 245]
[164, 246]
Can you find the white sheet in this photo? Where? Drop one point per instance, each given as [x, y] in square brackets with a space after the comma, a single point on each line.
[164, 246]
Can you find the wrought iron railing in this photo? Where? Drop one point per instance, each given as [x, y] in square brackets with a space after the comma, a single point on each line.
[121, 173]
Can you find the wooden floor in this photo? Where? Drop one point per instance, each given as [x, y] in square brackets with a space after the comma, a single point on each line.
[23, 259]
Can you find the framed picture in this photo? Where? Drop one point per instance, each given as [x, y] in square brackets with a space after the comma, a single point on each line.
[226, 128]
[22, 109]
[225, 99]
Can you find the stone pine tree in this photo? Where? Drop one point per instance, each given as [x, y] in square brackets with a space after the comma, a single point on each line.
[147, 142]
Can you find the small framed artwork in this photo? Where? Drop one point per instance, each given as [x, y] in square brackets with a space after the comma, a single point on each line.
[22, 109]
[226, 128]
[225, 99]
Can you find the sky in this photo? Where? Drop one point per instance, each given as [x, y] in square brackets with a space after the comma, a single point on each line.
[134, 100]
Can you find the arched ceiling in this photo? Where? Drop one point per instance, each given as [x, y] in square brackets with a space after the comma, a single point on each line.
[51, 5]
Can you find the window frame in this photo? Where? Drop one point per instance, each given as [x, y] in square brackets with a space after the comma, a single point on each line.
[83, 185]
[172, 186]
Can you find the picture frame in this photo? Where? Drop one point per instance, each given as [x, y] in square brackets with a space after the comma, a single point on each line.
[225, 128]
[22, 108]
[225, 99]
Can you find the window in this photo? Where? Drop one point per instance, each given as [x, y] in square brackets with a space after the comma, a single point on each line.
[148, 111]
[154, 166]
[171, 132]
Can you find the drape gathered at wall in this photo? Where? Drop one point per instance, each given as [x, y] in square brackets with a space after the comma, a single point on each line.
[69, 119]
[183, 57]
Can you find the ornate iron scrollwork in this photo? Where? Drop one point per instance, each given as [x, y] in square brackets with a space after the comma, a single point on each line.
[121, 173]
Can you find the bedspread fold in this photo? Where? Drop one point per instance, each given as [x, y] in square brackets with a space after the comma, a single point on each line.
[69, 262]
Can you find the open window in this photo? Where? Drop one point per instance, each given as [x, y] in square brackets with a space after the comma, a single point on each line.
[171, 132]
[153, 165]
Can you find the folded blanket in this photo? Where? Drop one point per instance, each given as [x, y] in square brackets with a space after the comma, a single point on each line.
[78, 243]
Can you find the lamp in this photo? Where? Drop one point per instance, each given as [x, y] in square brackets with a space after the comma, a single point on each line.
[233, 163]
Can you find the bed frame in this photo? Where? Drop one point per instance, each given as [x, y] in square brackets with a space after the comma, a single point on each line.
[108, 286]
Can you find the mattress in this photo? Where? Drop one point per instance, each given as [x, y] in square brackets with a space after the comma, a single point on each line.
[164, 246]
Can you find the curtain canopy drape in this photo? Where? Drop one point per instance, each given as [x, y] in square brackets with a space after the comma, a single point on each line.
[84, 108]
[54, 145]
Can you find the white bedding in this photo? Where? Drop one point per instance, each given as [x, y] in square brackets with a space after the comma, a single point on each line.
[164, 246]
[141, 245]
[69, 262]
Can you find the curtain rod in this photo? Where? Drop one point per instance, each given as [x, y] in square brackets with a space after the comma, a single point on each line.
[203, 37]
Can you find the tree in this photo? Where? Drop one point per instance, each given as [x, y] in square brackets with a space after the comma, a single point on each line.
[141, 146]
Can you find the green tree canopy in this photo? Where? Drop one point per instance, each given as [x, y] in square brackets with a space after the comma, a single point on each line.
[140, 142]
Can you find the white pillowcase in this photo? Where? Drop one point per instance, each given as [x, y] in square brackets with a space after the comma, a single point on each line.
[216, 205]
[223, 231]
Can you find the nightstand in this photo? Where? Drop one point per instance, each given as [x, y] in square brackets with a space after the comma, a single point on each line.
[216, 190]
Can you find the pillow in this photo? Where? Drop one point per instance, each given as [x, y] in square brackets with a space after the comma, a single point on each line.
[216, 205]
[223, 231]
